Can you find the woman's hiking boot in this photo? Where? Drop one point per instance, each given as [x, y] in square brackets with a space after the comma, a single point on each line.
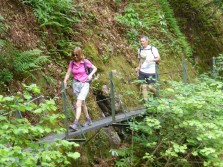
[75, 125]
[88, 122]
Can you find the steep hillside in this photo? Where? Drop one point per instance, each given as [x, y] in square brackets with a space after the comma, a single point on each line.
[201, 22]
[37, 37]
[108, 31]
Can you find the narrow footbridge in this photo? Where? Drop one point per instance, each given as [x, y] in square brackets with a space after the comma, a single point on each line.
[106, 121]
[113, 120]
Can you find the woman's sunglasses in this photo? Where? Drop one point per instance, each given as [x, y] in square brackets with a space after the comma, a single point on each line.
[75, 55]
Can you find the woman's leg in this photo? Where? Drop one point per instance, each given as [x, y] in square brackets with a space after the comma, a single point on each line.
[78, 110]
[85, 110]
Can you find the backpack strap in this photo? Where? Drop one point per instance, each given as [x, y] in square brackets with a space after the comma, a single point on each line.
[140, 49]
[152, 51]
[72, 64]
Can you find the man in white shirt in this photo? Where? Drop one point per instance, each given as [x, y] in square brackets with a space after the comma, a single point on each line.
[148, 57]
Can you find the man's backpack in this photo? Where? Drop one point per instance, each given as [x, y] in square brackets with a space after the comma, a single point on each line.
[151, 48]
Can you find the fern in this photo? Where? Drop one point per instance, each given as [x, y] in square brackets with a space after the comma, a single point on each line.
[54, 13]
[2, 43]
[172, 23]
[6, 76]
[29, 61]
[218, 3]
[3, 27]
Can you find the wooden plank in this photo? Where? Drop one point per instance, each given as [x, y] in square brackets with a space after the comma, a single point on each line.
[106, 122]
[53, 137]
[96, 125]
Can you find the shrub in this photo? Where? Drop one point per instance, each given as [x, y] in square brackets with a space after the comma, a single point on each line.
[20, 141]
[182, 128]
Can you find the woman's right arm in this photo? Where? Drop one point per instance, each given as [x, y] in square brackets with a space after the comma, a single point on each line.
[67, 77]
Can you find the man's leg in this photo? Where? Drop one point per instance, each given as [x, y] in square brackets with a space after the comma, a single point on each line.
[145, 92]
[151, 84]
[152, 89]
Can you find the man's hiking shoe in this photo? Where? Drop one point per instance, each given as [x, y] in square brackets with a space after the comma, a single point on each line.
[88, 122]
[75, 126]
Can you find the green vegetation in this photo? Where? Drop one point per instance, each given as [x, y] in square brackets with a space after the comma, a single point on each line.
[20, 139]
[55, 13]
[158, 19]
[182, 128]
[201, 23]
[17, 64]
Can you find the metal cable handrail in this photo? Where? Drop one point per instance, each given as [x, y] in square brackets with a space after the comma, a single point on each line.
[4, 114]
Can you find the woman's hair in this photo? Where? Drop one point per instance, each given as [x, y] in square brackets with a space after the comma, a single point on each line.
[144, 37]
[78, 52]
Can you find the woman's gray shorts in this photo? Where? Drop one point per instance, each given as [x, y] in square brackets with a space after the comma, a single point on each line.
[80, 89]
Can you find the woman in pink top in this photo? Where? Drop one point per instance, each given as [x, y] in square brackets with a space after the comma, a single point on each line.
[80, 84]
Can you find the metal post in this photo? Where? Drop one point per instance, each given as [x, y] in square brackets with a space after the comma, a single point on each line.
[157, 80]
[112, 96]
[184, 71]
[18, 114]
[214, 74]
[65, 111]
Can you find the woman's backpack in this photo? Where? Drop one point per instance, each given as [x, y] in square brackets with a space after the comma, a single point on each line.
[88, 70]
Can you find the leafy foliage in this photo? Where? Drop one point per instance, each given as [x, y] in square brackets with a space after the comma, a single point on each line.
[54, 13]
[219, 67]
[130, 18]
[200, 24]
[3, 27]
[16, 64]
[29, 60]
[6, 76]
[20, 141]
[183, 128]
[217, 3]
[146, 17]
[173, 27]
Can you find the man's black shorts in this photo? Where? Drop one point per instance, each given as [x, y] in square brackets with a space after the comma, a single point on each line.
[147, 78]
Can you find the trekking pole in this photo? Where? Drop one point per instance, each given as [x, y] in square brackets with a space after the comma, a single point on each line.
[112, 96]
[65, 111]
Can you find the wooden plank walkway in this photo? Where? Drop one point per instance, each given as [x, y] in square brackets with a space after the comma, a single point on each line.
[96, 125]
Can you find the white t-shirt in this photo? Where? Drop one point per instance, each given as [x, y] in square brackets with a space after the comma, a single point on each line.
[145, 54]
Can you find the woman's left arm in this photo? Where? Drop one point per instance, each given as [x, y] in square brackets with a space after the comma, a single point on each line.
[92, 72]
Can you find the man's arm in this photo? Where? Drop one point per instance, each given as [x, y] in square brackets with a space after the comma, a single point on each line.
[139, 66]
